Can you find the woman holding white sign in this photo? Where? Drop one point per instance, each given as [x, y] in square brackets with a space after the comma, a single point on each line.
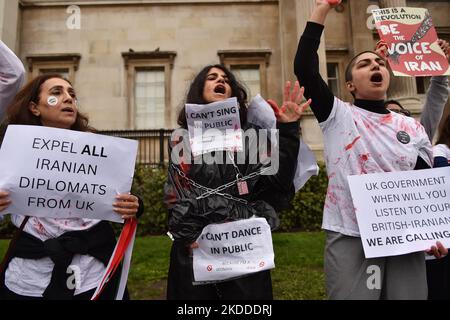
[192, 191]
[55, 258]
[361, 138]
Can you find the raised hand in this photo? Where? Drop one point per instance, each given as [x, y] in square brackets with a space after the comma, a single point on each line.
[292, 108]
[330, 3]
[322, 9]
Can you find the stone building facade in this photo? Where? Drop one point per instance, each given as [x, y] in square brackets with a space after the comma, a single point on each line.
[131, 62]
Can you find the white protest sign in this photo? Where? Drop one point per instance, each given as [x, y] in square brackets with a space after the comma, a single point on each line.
[233, 249]
[402, 212]
[61, 173]
[215, 126]
[261, 114]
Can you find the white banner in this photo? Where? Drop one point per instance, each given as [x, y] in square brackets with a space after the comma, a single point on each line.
[61, 173]
[233, 249]
[402, 212]
[214, 127]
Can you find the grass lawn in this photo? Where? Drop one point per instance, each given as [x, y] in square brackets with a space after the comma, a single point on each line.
[298, 274]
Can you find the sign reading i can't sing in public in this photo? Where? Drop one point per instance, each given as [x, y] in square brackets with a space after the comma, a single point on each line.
[61, 173]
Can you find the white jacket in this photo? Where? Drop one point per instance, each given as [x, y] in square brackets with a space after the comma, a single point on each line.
[12, 76]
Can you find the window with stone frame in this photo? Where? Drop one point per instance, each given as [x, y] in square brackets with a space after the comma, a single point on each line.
[337, 60]
[334, 78]
[148, 78]
[250, 68]
[64, 64]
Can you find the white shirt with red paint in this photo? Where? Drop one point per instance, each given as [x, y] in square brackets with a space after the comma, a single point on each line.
[30, 278]
[442, 150]
[356, 142]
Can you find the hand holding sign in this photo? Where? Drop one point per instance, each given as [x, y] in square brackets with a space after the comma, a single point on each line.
[439, 251]
[381, 48]
[292, 109]
[4, 200]
[445, 47]
[127, 205]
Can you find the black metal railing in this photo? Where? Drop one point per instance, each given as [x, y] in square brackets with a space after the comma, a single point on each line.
[153, 144]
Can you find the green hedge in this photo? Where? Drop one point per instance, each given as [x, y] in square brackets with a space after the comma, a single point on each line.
[149, 185]
[305, 214]
[307, 206]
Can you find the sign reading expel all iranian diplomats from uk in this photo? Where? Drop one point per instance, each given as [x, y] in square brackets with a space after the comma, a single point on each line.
[413, 48]
[60, 173]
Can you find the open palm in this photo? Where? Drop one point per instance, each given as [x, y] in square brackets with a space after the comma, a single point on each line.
[292, 108]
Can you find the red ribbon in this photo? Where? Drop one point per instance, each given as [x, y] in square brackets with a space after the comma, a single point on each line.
[121, 247]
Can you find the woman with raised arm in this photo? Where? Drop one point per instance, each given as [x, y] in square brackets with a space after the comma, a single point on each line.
[361, 138]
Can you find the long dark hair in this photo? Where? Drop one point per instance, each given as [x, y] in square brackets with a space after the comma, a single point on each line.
[18, 111]
[195, 94]
[444, 133]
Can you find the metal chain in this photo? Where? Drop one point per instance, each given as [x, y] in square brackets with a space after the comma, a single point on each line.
[201, 187]
[236, 169]
[225, 186]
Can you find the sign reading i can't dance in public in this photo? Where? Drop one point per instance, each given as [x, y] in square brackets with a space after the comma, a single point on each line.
[60, 173]
[233, 249]
[413, 48]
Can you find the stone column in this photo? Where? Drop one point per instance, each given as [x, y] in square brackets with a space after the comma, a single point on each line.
[9, 17]
[302, 9]
[289, 36]
[362, 39]
[403, 89]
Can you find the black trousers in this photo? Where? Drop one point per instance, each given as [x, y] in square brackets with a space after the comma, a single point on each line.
[109, 292]
[438, 278]
[257, 286]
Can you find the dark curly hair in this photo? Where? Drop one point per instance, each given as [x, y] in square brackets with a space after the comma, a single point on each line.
[195, 94]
